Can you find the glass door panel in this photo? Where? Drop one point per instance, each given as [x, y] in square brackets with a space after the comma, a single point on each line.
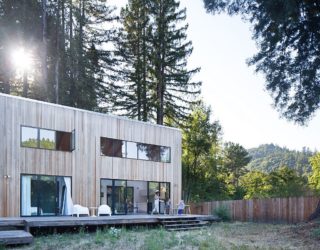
[106, 192]
[164, 195]
[152, 188]
[119, 195]
[45, 195]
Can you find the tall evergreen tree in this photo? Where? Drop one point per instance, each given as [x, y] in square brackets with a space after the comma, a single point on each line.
[68, 39]
[155, 50]
[174, 90]
[134, 50]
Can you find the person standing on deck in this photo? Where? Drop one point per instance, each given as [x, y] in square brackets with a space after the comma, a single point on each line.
[156, 202]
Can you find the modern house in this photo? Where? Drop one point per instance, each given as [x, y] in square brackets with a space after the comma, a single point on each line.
[53, 156]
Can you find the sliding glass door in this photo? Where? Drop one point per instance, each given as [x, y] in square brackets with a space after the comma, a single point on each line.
[45, 195]
[114, 194]
[164, 195]
[133, 197]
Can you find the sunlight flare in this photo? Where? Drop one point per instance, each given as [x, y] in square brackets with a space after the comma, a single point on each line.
[22, 59]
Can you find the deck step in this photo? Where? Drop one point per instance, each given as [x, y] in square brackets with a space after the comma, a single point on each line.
[184, 228]
[183, 224]
[14, 237]
[179, 221]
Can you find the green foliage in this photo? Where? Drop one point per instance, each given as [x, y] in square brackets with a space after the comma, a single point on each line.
[155, 82]
[283, 182]
[269, 157]
[160, 239]
[235, 159]
[114, 232]
[31, 143]
[99, 237]
[256, 185]
[72, 63]
[223, 213]
[200, 155]
[47, 143]
[314, 178]
[287, 34]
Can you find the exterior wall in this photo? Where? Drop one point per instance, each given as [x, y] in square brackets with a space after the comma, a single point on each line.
[85, 164]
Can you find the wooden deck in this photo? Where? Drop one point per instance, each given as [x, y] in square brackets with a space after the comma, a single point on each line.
[14, 237]
[9, 235]
[67, 221]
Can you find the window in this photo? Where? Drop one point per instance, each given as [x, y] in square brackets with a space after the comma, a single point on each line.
[127, 149]
[119, 148]
[143, 152]
[29, 137]
[112, 147]
[106, 146]
[132, 150]
[47, 139]
[148, 152]
[43, 195]
[165, 154]
[64, 141]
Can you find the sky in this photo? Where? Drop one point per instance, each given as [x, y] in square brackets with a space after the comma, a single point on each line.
[236, 94]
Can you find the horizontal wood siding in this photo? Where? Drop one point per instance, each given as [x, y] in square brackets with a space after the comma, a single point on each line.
[85, 165]
[273, 210]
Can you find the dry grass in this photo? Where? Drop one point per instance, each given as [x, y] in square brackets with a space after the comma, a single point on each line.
[218, 236]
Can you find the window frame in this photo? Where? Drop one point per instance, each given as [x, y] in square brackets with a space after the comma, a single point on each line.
[71, 149]
[137, 146]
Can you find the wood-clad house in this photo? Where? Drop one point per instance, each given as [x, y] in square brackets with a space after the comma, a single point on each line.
[53, 156]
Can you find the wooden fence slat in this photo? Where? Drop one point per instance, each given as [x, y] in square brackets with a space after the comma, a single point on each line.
[274, 210]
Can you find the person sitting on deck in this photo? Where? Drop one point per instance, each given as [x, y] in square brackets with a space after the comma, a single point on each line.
[181, 206]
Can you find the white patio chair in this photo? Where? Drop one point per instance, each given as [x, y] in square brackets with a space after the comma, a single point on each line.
[79, 210]
[104, 210]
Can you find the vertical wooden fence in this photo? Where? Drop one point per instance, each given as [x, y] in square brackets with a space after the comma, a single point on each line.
[273, 210]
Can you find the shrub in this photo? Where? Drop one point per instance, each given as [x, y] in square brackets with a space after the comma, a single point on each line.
[223, 213]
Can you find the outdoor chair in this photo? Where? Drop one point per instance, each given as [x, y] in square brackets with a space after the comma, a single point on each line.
[79, 210]
[104, 210]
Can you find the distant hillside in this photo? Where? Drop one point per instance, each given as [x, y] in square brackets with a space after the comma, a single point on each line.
[268, 157]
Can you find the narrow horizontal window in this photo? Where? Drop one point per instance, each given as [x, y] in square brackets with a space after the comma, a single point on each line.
[132, 150]
[47, 139]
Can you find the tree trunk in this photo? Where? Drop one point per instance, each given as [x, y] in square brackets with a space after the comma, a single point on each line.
[57, 66]
[25, 84]
[71, 57]
[44, 47]
[316, 213]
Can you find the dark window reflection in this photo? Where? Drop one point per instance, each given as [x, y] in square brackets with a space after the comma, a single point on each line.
[106, 146]
[119, 148]
[133, 150]
[64, 141]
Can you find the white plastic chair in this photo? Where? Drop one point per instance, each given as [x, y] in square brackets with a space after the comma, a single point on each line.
[80, 210]
[104, 210]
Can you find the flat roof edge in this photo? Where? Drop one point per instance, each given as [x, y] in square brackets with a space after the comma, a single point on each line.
[88, 111]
